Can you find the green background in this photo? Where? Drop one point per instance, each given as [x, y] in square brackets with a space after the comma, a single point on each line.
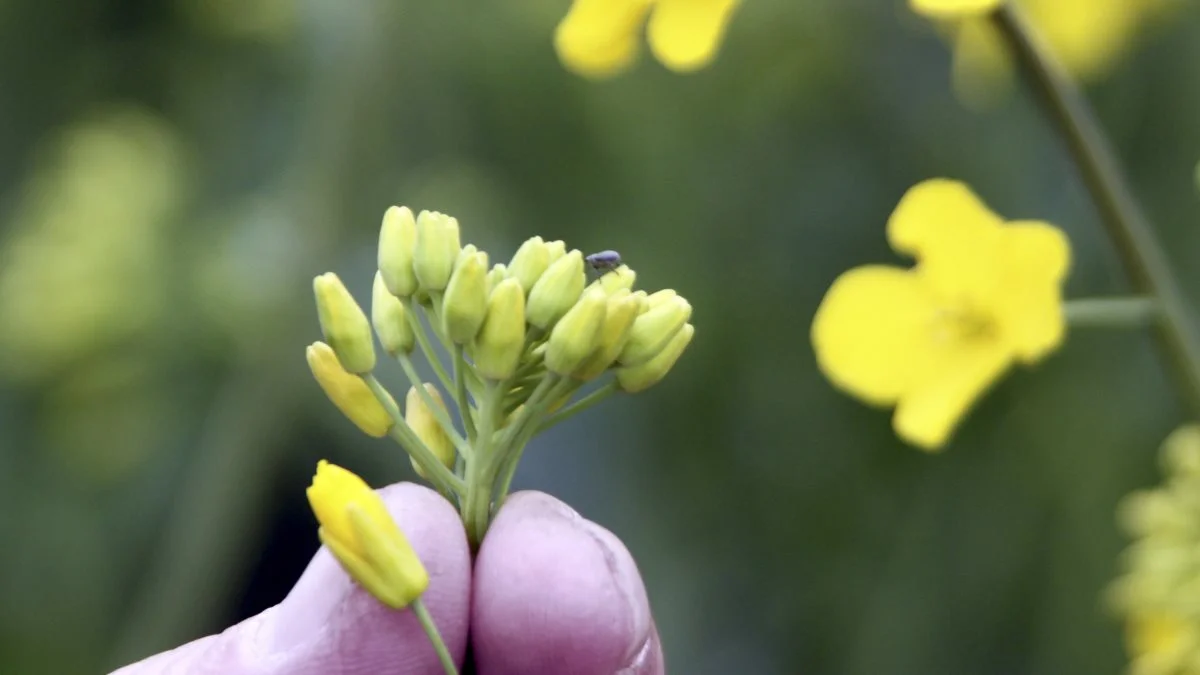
[174, 173]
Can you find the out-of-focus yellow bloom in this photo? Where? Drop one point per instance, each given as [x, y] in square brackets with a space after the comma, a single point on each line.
[347, 391]
[359, 531]
[929, 340]
[424, 424]
[600, 38]
[1088, 36]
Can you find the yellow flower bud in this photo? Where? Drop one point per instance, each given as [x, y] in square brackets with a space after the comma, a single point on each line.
[615, 280]
[397, 246]
[344, 324]
[530, 262]
[424, 424]
[633, 379]
[436, 251]
[495, 275]
[556, 291]
[557, 249]
[501, 339]
[389, 318]
[659, 297]
[348, 392]
[1181, 451]
[623, 309]
[465, 302]
[654, 328]
[358, 530]
[577, 334]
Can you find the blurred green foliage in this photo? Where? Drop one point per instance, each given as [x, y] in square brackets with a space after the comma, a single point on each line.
[172, 175]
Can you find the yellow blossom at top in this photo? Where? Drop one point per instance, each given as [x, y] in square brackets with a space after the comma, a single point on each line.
[359, 531]
[930, 339]
[1087, 36]
[600, 38]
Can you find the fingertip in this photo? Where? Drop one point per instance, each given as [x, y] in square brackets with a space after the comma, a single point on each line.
[556, 593]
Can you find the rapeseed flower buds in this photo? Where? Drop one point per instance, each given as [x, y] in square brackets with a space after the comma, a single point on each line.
[397, 246]
[530, 262]
[358, 530]
[344, 324]
[577, 335]
[556, 291]
[557, 248]
[465, 303]
[633, 379]
[436, 251]
[424, 424]
[655, 328]
[501, 339]
[348, 392]
[495, 275]
[623, 309]
[622, 277]
[388, 316]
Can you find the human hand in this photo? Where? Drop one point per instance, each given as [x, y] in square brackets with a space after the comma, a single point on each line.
[550, 594]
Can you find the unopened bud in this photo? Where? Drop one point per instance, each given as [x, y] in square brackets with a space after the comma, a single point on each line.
[556, 291]
[495, 275]
[623, 309]
[557, 249]
[633, 379]
[388, 315]
[348, 392]
[344, 324]
[397, 246]
[1181, 451]
[530, 262]
[436, 251]
[465, 303]
[577, 335]
[501, 339]
[653, 329]
[615, 280]
[424, 424]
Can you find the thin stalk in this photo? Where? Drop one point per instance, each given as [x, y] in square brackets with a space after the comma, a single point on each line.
[1142, 255]
[426, 346]
[579, 406]
[439, 412]
[477, 486]
[438, 474]
[460, 394]
[1135, 312]
[435, 638]
[524, 431]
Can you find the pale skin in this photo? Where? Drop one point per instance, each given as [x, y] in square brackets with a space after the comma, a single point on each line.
[550, 593]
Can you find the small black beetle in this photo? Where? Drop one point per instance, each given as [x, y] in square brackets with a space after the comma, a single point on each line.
[604, 261]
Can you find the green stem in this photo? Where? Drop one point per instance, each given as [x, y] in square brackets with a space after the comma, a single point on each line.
[439, 412]
[1135, 312]
[478, 487]
[438, 474]
[1142, 255]
[426, 346]
[579, 406]
[517, 436]
[460, 394]
[435, 638]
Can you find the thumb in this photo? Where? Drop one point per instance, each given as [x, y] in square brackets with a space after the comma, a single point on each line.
[327, 624]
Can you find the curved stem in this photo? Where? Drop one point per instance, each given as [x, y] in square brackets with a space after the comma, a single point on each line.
[438, 474]
[1143, 257]
[579, 406]
[460, 394]
[426, 346]
[439, 412]
[1134, 312]
[435, 638]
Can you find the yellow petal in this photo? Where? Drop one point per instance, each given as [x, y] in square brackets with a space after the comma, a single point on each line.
[599, 38]
[871, 322]
[685, 34]
[952, 380]
[1034, 260]
[951, 9]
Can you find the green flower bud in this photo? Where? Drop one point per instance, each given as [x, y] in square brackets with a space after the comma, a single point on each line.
[620, 278]
[344, 324]
[465, 303]
[556, 291]
[577, 335]
[633, 379]
[1181, 451]
[659, 297]
[557, 249]
[495, 275]
[654, 328]
[530, 262]
[436, 251]
[623, 309]
[397, 245]
[424, 424]
[388, 316]
[501, 339]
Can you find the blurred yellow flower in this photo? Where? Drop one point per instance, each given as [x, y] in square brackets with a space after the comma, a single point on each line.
[359, 531]
[600, 38]
[930, 339]
[1088, 36]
